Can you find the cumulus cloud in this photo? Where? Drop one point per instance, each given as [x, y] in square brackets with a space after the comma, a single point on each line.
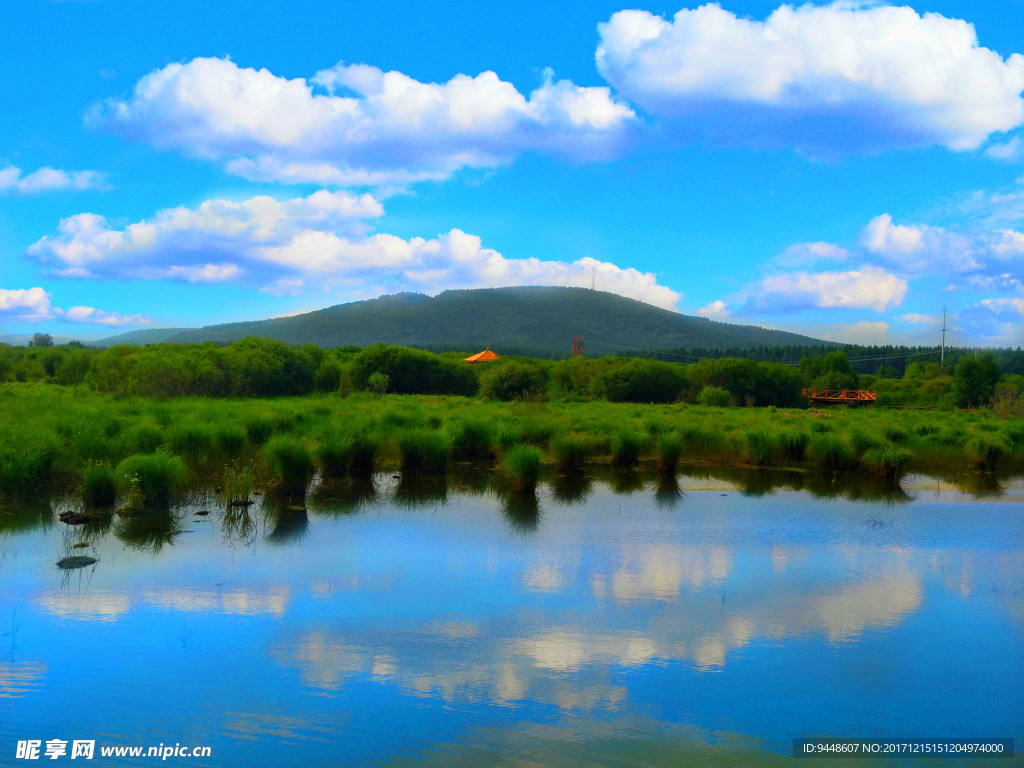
[1009, 151]
[995, 321]
[807, 253]
[358, 125]
[865, 288]
[203, 244]
[716, 310]
[1002, 283]
[27, 305]
[915, 318]
[921, 248]
[12, 182]
[828, 80]
[92, 316]
[320, 242]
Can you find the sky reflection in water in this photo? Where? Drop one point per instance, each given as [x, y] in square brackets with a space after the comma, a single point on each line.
[442, 624]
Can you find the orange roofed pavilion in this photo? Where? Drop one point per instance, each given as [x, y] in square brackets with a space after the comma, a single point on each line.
[482, 357]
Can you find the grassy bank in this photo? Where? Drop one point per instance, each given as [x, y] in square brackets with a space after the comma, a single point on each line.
[58, 438]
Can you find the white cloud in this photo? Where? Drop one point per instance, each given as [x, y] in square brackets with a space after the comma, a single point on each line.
[828, 80]
[318, 243]
[92, 316]
[1005, 305]
[370, 127]
[12, 182]
[1009, 151]
[809, 253]
[716, 310]
[921, 248]
[201, 244]
[25, 304]
[914, 318]
[862, 332]
[866, 288]
[33, 304]
[995, 321]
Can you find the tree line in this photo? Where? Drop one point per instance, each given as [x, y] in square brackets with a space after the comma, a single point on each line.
[260, 367]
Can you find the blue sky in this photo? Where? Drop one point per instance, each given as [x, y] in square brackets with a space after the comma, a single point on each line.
[841, 170]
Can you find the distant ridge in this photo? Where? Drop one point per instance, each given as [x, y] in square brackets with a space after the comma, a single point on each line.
[544, 319]
[141, 337]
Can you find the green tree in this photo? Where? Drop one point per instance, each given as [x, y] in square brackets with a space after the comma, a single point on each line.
[975, 379]
[41, 340]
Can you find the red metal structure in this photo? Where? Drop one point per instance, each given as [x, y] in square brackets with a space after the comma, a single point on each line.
[845, 396]
[577, 346]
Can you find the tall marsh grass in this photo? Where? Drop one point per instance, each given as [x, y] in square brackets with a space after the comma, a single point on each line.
[152, 478]
[521, 465]
[424, 451]
[290, 463]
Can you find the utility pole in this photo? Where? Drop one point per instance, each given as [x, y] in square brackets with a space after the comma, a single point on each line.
[942, 357]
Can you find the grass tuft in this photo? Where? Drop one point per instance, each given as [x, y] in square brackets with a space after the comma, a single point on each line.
[290, 464]
[424, 451]
[572, 451]
[627, 447]
[670, 449]
[152, 478]
[472, 440]
[522, 466]
[99, 489]
[831, 453]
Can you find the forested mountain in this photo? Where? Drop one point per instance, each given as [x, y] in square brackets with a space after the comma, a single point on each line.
[141, 337]
[542, 320]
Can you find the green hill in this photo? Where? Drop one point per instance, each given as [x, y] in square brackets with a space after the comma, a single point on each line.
[540, 320]
[140, 337]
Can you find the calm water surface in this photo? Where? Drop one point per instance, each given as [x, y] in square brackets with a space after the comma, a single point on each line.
[610, 624]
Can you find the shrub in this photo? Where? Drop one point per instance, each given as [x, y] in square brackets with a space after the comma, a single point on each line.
[627, 447]
[522, 466]
[513, 380]
[290, 463]
[413, 372]
[713, 396]
[99, 488]
[152, 477]
[641, 381]
[377, 383]
[424, 451]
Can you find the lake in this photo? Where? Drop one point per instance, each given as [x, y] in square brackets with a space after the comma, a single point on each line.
[611, 622]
